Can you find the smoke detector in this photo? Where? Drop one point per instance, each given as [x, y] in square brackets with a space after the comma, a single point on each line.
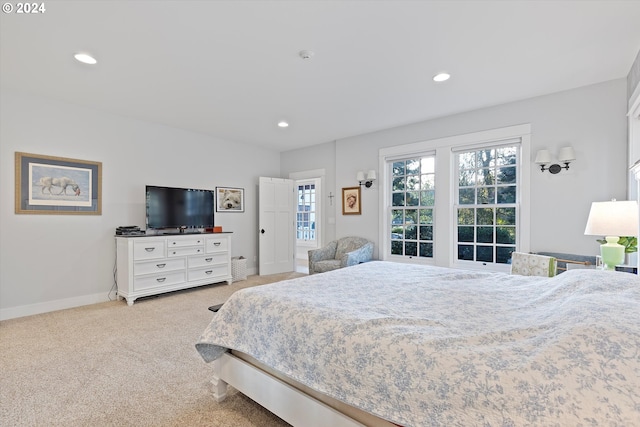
[306, 54]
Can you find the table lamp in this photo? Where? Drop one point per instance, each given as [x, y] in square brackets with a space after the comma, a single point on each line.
[612, 220]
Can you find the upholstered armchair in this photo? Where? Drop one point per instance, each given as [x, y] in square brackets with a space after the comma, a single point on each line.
[340, 253]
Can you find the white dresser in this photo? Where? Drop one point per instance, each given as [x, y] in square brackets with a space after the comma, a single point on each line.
[150, 265]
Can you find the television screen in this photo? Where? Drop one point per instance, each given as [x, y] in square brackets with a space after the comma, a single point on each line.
[169, 207]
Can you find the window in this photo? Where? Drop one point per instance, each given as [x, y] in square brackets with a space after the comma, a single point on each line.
[480, 213]
[306, 212]
[486, 204]
[412, 205]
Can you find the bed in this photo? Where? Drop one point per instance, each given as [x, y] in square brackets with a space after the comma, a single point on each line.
[428, 346]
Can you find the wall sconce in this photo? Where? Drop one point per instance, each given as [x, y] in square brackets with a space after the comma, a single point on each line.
[566, 155]
[371, 176]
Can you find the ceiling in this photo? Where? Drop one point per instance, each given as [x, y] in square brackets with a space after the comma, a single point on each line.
[232, 70]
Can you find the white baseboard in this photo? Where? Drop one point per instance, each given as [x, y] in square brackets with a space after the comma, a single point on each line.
[45, 307]
[62, 304]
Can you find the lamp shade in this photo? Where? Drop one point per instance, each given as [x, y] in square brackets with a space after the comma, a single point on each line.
[543, 156]
[614, 218]
[566, 154]
[371, 175]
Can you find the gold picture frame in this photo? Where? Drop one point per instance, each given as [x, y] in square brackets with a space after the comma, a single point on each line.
[49, 185]
[351, 201]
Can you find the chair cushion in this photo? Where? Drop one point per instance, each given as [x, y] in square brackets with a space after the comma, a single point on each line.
[348, 244]
[328, 265]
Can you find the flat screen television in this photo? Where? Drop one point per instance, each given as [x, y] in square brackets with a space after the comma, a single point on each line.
[179, 208]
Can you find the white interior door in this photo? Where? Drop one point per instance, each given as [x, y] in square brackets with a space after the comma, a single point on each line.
[276, 226]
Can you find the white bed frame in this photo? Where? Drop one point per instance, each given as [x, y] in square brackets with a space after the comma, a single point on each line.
[292, 405]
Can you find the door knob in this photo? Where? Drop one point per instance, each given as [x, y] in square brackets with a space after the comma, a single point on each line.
[262, 231]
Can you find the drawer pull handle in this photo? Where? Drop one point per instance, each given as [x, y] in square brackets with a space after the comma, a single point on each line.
[160, 265]
[173, 243]
[161, 279]
[216, 244]
[174, 252]
[208, 259]
[198, 251]
[199, 241]
[149, 249]
[209, 271]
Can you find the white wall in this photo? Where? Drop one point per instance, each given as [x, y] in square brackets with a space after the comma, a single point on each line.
[633, 92]
[56, 261]
[591, 119]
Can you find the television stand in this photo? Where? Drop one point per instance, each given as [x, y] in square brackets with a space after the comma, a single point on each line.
[178, 231]
[151, 265]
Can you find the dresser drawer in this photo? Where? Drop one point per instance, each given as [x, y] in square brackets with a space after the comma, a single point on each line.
[217, 244]
[208, 273]
[158, 280]
[206, 260]
[190, 250]
[189, 241]
[158, 266]
[149, 250]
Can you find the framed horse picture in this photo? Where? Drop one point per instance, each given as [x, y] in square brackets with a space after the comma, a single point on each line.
[57, 185]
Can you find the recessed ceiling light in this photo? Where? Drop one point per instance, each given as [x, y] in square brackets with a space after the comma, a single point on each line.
[441, 77]
[85, 58]
[283, 124]
[306, 54]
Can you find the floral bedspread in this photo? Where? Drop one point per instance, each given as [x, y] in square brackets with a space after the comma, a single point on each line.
[430, 346]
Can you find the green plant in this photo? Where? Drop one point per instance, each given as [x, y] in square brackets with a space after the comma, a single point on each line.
[630, 243]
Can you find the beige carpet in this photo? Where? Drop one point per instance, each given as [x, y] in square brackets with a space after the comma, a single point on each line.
[110, 364]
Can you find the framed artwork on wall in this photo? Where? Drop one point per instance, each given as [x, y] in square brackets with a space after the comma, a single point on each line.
[351, 201]
[229, 199]
[57, 185]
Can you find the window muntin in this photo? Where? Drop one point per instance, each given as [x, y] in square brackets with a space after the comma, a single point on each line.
[487, 209]
[306, 213]
[412, 207]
